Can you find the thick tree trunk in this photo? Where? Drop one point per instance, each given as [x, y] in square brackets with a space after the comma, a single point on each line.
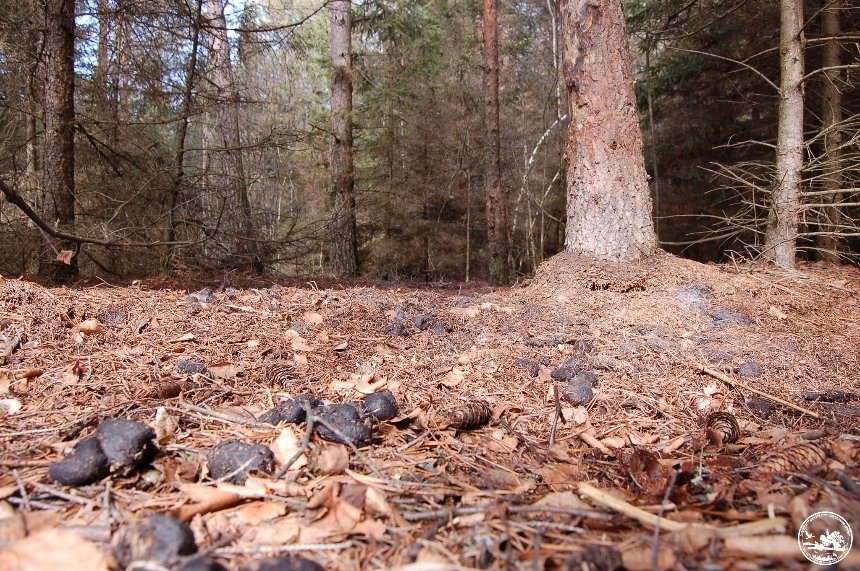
[608, 201]
[227, 117]
[497, 207]
[59, 163]
[781, 235]
[344, 246]
[831, 119]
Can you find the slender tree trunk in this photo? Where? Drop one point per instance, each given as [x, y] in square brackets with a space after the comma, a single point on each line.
[497, 207]
[608, 201]
[344, 245]
[122, 112]
[100, 77]
[59, 163]
[831, 119]
[172, 197]
[232, 165]
[781, 235]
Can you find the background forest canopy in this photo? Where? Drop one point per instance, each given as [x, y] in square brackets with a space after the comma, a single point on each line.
[203, 138]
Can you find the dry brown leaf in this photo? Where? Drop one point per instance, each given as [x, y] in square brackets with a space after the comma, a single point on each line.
[845, 451]
[322, 337]
[53, 549]
[89, 327]
[66, 256]
[331, 461]
[340, 519]
[453, 378]
[281, 532]
[254, 513]
[562, 500]
[642, 559]
[341, 346]
[312, 318]
[207, 499]
[776, 312]
[224, 370]
[165, 426]
[371, 385]
[8, 407]
[297, 342]
[287, 445]
[371, 528]
[300, 360]
[375, 502]
[182, 338]
[71, 373]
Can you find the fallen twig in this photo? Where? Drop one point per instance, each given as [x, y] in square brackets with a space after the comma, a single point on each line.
[651, 520]
[739, 385]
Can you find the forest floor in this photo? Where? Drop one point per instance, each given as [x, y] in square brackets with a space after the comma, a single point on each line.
[545, 472]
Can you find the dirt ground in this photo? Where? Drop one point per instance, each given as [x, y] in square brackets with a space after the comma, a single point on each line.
[723, 412]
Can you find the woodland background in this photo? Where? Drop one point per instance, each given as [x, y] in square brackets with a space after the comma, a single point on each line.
[164, 183]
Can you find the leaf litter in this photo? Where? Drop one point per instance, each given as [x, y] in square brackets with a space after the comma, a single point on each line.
[650, 415]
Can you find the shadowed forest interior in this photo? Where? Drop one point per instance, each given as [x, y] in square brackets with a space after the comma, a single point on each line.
[205, 133]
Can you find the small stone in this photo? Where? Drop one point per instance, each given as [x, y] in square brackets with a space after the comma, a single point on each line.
[750, 369]
[232, 460]
[284, 564]
[291, 411]
[579, 392]
[562, 373]
[159, 539]
[382, 405]
[126, 442]
[423, 322]
[189, 367]
[86, 464]
[533, 367]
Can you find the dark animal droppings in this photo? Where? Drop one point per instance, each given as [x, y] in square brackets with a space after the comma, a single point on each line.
[533, 367]
[751, 369]
[397, 330]
[579, 392]
[285, 564]
[126, 442]
[423, 322]
[382, 405]
[189, 367]
[346, 418]
[562, 374]
[291, 411]
[201, 564]
[233, 460]
[159, 538]
[86, 464]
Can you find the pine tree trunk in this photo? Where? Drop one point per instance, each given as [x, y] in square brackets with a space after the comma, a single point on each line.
[831, 119]
[59, 164]
[608, 201]
[344, 247]
[497, 207]
[781, 234]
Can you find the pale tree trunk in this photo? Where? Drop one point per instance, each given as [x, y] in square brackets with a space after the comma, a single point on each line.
[100, 77]
[58, 183]
[227, 121]
[608, 201]
[781, 234]
[497, 207]
[344, 246]
[831, 119]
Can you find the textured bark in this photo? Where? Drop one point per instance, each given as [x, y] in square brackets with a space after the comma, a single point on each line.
[781, 234]
[227, 121]
[497, 208]
[831, 119]
[344, 247]
[59, 162]
[100, 77]
[608, 201]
